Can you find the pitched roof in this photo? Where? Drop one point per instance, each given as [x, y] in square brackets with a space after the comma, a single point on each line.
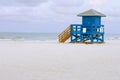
[92, 12]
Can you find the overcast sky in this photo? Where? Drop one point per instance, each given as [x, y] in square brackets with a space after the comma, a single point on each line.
[54, 15]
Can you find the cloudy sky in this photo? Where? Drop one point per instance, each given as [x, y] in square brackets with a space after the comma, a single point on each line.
[54, 15]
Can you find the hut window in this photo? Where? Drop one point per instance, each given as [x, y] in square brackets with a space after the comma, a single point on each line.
[101, 29]
[98, 30]
[74, 26]
[84, 30]
[78, 27]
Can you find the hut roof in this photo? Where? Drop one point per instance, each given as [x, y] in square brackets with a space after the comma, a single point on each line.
[92, 12]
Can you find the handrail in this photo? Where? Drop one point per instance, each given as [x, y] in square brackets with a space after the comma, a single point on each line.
[68, 28]
[64, 35]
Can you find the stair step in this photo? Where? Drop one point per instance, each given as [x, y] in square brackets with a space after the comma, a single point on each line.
[64, 35]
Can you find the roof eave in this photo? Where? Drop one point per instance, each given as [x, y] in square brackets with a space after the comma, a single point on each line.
[91, 15]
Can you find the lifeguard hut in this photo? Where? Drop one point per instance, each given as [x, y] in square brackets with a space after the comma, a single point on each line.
[90, 31]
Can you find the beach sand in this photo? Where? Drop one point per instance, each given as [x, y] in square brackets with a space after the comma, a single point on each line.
[27, 60]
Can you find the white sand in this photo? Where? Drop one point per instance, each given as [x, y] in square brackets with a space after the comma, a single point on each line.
[52, 61]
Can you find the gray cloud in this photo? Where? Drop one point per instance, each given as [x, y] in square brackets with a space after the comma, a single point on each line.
[21, 2]
[7, 2]
[67, 7]
[31, 2]
[68, 3]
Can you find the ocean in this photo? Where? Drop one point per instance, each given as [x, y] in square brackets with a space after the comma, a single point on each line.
[14, 36]
[17, 36]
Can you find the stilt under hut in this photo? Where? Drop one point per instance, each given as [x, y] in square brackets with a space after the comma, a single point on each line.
[90, 31]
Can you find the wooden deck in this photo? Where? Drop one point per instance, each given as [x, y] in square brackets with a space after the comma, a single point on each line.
[64, 35]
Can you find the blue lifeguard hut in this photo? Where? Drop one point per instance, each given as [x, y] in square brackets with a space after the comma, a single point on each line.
[90, 31]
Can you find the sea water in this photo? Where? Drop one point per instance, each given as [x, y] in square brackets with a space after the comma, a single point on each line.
[19, 36]
[28, 36]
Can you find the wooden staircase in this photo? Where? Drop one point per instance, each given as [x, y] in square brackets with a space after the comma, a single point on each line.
[64, 35]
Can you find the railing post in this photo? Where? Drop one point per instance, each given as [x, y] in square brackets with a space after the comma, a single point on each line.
[71, 32]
